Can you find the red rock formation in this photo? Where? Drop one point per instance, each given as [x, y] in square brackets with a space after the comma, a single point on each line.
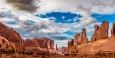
[70, 44]
[31, 43]
[11, 35]
[100, 45]
[56, 47]
[45, 43]
[81, 38]
[84, 38]
[101, 32]
[5, 44]
[40, 42]
[113, 30]
[104, 30]
[77, 39]
[64, 50]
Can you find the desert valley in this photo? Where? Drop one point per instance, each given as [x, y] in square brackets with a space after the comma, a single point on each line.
[12, 45]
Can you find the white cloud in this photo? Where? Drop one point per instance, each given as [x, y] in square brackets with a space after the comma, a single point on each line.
[63, 17]
[85, 8]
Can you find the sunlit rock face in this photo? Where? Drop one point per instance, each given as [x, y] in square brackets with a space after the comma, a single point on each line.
[70, 44]
[44, 43]
[40, 44]
[81, 38]
[11, 35]
[101, 32]
[113, 30]
[5, 44]
[31, 43]
[102, 43]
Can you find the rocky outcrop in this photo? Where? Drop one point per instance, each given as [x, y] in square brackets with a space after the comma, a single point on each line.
[45, 43]
[70, 44]
[113, 30]
[56, 47]
[77, 39]
[101, 42]
[5, 44]
[40, 42]
[64, 50]
[81, 38]
[31, 43]
[101, 32]
[11, 35]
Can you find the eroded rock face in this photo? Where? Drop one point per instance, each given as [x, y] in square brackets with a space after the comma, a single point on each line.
[70, 44]
[11, 35]
[45, 43]
[64, 50]
[113, 30]
[84, 38]
[40, 42]
[77, 39]
[107, 44]
[5, 44]
[81, 38]
[31, 43]
[101, 32]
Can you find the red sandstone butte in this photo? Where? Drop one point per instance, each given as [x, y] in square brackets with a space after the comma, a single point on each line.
[11, 35]
[101, 32]
[43, 43]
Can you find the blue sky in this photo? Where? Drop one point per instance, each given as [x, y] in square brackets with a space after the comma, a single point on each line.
[59, 20]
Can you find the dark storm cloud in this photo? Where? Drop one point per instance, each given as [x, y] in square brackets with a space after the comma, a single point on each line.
[27, 5]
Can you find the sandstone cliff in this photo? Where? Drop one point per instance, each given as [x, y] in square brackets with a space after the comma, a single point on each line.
[70, 44]
[39, 45]
[101, 32]
[5, 44]
[11, 35]
[101, 42]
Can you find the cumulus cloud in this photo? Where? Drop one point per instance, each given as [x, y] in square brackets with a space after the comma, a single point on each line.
[85, 8]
